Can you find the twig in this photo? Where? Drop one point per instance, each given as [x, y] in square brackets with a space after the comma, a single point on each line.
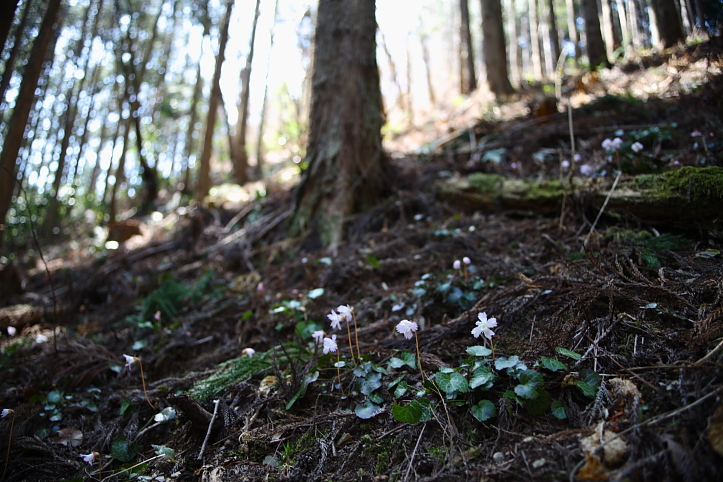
[208, 432]
[711, 353]
[602, 209]
[414, 452]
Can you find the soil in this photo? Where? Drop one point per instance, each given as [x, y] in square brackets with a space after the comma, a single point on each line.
[605, 363]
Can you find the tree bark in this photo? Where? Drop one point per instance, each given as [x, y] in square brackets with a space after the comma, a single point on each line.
[494, 48]
[595, 46]
[554, 37]
[204, 168]
[241, 158]
[347, 169]
[665, 16]
[468, 77]
[537, 59]
[23, 103]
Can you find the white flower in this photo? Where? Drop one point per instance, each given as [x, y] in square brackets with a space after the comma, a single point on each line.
[617, 143]
[637, 147]
[456, 265]
[335, 319]
[90, 458]
[577, 158]
[406, 328]
[6, 412]
[130, 360]
[330, 344]
[586, 170]
[565, 164]
[345, 312]
[466, 260]
[249, 352]
[607, 144]
[484, 325]
[318, 336]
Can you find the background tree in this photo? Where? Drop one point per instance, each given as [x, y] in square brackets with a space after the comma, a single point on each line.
[595, 46]
[23, 104]
[239, 154]
[347, 169]
[493, 48]
[664, 14]
[467, 75]
[204, 169]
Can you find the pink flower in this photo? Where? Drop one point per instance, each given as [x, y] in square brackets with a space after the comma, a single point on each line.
[90, 458]
[637, 147]
[483, 326]
[407, 328]
[466, 260]
[345, 312]
[130, 360]
[335, 320]
[330, 344]
[318, 336]
[456, 265]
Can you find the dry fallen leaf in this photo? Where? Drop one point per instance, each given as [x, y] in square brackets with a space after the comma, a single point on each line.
[715, 430]
[69, 436]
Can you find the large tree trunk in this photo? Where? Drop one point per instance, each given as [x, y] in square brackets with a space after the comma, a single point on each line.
[665, 16]
[23, 103]
[595, 46]
[468, 77]
[204, 168]
[347, 169]
[494, 49]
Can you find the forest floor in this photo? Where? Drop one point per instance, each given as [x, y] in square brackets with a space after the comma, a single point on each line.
[604, 364]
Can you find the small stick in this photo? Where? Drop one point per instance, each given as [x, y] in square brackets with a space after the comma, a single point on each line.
[592, 228]
[208, 432]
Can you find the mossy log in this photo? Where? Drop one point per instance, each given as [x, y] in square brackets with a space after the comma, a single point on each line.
[688, 197]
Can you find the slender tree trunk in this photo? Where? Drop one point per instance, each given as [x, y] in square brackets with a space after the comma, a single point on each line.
[595, 46]
[10, 62]
[241, 158]
[634, 24]
[23, 103]
[120, 172]
[394, 78]
[554, 37]
[204, 168]
[262, 118]
[347, 168]
[514, 44]
[493, 47]
[468, 77]
[612, 39]
[427, 67]
[7, 15]
[535, 40]
[572, 27]
[69, 116]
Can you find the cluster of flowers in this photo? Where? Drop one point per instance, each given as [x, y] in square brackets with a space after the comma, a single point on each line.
[615, 145]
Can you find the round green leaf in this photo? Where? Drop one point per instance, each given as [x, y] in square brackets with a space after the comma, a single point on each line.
[410, 413]
[484, 410]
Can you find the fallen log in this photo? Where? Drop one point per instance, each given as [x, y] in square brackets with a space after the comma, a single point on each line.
[689, 197]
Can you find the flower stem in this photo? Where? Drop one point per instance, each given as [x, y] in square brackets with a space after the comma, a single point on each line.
[419, 357]
[351, 348]
[143, 381]
[10, 439]
[356, 335]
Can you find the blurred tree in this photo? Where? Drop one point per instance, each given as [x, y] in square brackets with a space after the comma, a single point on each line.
[238, 148]
[535, 51]
[23, 103]
[258, 174]
[14, 51]
[204, 168]
[493, 48]
[347, 170]
[572, 33]
[7, 15]
[554, 37]
[664, 14]
[467, 75]
[596, 54]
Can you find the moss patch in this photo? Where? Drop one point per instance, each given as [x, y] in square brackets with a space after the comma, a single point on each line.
[697, 184]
